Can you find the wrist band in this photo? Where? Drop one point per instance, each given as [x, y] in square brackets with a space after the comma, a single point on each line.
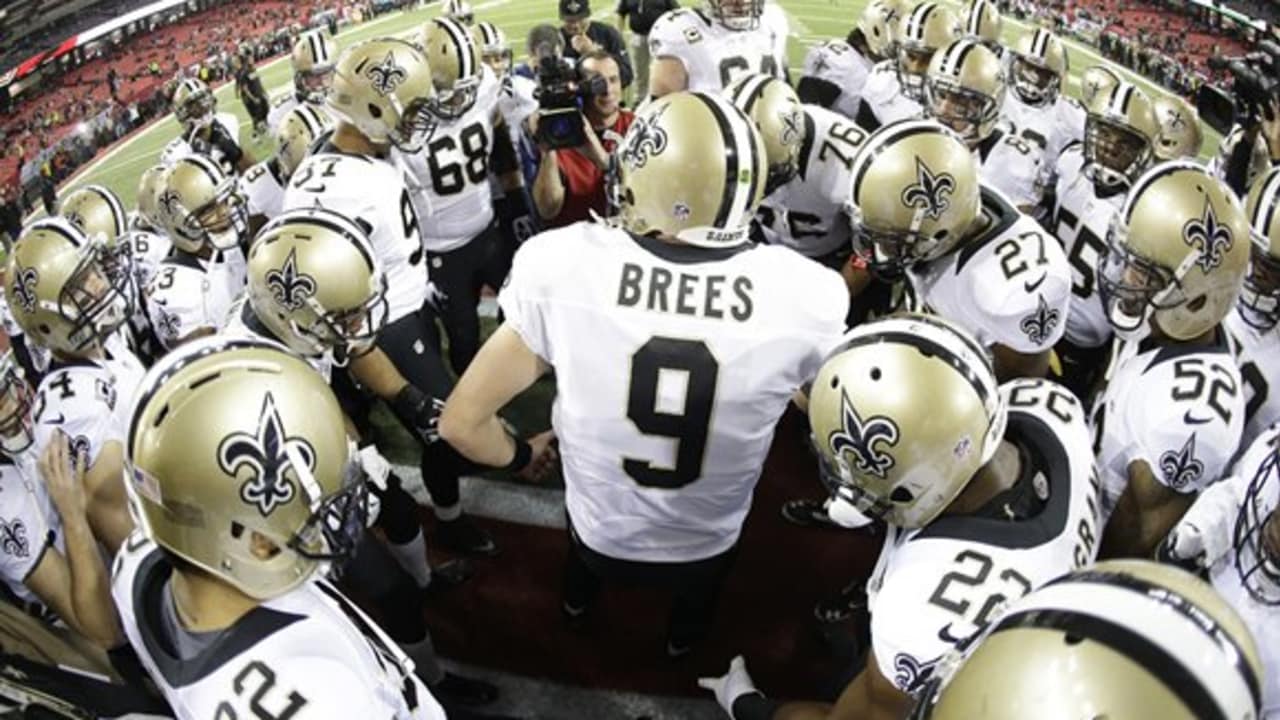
[523, 456]
[754, 706]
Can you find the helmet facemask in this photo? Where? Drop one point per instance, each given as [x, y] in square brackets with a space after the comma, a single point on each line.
[17, 429]
[222, 222]
[1133, 287]
[94, 301]
[499, 60]
[913, 65]
[971, 114]
[197, 110]
[1257, 534]
[337, 522]
[1114, 153]
[1035, 84]
[345, 332]
[313, 85]
[414, 125]
[890, 253]
[737, 14]
[454, 102]
[1260, 296]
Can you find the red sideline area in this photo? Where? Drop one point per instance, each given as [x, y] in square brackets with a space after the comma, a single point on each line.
[508, 617]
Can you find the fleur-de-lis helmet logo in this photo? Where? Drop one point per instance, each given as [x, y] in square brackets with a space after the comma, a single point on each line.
[386, 76]
[644, 140]
[289, 287]
[864, 440]
[171, 202]
[1039, 325]
[792, 126]
[1181, 468]
[262, 458]
[929, 192]
[25, 280]
[1207, 235]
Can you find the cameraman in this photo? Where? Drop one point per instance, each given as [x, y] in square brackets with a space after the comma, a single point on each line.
[571, 181]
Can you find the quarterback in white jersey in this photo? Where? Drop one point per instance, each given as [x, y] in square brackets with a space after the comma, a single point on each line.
[693, 50]
[1233, 532]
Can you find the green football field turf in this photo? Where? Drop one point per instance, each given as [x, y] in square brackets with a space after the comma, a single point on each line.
[811, 21]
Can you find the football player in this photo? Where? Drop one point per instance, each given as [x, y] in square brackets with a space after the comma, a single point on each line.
[263, 185]
[988, 491]
[460, 12]
[835, 71]
[205, 131]
[517, 94]
[971, 257]
[693, 49]
[1233, 532]
[1180, 135]
[1037, 116]
[1123, 639]
[469, 237]
[382, 91]
[1172, 412]
[656, 472]
[67, 296]
[982, 24]
[45, 559]
[312, 61]
[810, 153]
[895, 89]
[245, 491]
[1091, 181]
[206, 220]
[1252, 326]
[145, 215]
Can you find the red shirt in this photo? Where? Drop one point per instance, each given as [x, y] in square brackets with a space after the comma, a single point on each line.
[584, 189]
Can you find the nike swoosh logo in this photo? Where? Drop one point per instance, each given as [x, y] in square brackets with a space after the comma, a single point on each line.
[1031, 287]
[1189, 419]
[56, 421]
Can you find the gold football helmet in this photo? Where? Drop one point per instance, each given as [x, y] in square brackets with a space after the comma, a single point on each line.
[383, 88]
[1260, 296]
[737, 14]
[915, 195]
[100, 215]
[315, 283]
[921, 32]
[297, 132]
[150, 185]
[312, 59]
[903, 415]
[17, 428]
[193, 103]
[776, 111]
[965, 89]
[460, 12]
[1037, 67]
[1119, 135]
[455, 66]
[62, 289]
[494, 49]
[201, 206]
[878, 24]
[1122, 639]
[1177, 254]
[238, 462]
[1095, 81]
[983, 23]
[1180, 135]
[656, 193]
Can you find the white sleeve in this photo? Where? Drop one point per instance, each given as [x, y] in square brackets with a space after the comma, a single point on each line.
[671, 35]
[176, 304]
[524, 296]
[1187, 446]
[24, 531]
[1213, 515]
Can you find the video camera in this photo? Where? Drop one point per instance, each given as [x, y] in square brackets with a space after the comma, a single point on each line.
[560, 96]
[1256, 86]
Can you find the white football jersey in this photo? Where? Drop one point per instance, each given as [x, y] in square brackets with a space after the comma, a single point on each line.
[1010, 286]
[660, 462]
[263, 187]
[1047, 130]
[179, 148]
[29, 525]
[189, 294]
[840, 64]
[1080, 222]
[310, 653]
[1178, 408]
[88, 399]
[373, 193]
[40, 356]
[712, 55]
[1258, 355]
[449, 178]
[148, 249]
[807, 214]
[884, 96]
[937, 586]
[1011, 163]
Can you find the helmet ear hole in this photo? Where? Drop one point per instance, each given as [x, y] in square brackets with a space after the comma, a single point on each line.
[1197, 303]
[835, 381]
[901, 495]
[375, 111]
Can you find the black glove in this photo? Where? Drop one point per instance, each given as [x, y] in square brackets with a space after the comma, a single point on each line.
[419, 411]
[515, 217]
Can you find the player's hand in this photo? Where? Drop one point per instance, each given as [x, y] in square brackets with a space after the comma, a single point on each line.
[730, 686]
[583, 44]
[544, 456]
[376, 467]
[63, 473]
[1184, 547]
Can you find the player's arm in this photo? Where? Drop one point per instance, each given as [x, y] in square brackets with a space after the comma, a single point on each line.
[375, 371]
[1011, 364]
[107, 507]
[504, 368]
[76, 586]
[667, 75]
[1144, 515]
[866, 118]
